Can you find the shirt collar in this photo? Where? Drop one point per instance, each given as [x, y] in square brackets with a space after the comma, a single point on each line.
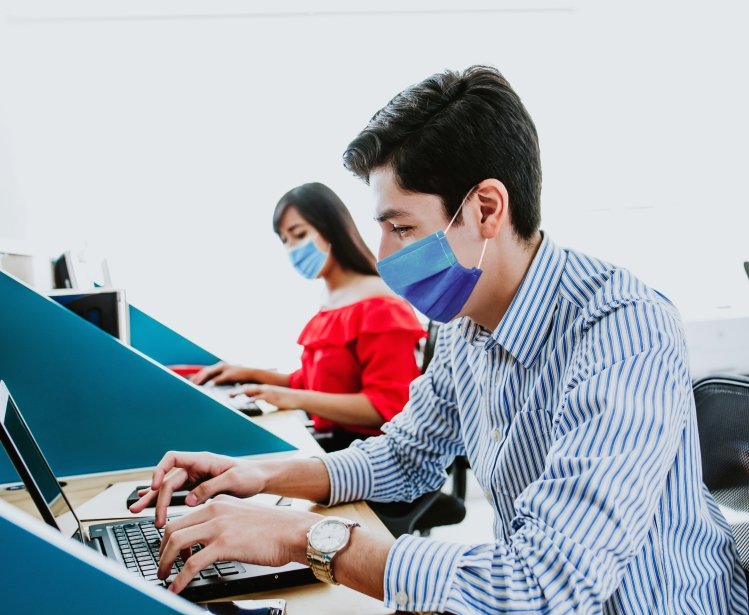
[525, 326]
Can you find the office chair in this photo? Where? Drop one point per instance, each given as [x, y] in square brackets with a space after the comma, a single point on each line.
[746, 267]
[722, 403]
[435, 508]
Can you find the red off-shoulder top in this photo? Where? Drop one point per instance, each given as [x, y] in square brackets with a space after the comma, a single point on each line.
[365, 347]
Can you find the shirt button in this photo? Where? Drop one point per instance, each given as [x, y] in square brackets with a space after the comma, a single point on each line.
[401, 599]
[496, 434]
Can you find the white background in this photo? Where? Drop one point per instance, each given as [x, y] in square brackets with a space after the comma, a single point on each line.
[162, 134]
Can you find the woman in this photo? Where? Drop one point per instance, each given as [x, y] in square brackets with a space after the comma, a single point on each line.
[358, 350]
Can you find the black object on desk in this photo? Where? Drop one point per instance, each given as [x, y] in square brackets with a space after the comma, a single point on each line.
[275, 606]
[178, 497]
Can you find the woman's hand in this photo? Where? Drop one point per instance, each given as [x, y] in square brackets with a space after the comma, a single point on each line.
[281, 397]
[223, 373]
[230, 529]
[206, 474]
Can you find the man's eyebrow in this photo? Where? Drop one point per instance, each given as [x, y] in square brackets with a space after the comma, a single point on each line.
[389, 214]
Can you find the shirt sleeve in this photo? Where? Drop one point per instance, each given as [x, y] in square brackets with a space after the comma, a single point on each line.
[614, 439]
[296, 379]
[419, 443]
[388, 367]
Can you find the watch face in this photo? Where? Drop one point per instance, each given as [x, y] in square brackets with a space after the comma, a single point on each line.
[329, 536]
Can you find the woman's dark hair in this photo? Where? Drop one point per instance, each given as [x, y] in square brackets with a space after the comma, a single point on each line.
[446, 134]
[324, 210]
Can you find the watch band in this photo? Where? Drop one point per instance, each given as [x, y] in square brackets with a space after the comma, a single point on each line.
[322, 563]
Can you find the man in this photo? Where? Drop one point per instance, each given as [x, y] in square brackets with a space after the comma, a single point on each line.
[562, 378]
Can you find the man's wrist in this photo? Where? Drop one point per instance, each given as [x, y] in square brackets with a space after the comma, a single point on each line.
[299, 478]
[298, 542]
[267, 473]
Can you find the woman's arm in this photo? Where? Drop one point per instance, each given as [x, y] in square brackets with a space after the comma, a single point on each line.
[266, 376]
[225, 373]
[350, 409]
[347, 408]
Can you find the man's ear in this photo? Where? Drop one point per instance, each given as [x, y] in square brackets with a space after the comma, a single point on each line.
[494, 206]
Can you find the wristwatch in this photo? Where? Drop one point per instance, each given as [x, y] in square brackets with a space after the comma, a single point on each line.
[325, 540]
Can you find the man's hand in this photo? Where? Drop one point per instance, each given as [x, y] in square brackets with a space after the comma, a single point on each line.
[230, 529]
[281, 397]
[206, 474]
[223, 373]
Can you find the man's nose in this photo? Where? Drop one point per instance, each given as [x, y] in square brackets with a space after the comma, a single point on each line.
[385, 248]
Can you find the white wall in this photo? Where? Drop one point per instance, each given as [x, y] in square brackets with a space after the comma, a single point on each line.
[163, 133]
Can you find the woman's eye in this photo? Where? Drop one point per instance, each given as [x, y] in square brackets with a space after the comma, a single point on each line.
[300, 236]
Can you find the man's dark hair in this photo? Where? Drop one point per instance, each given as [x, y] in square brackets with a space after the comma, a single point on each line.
[446, 134]
[325, 211]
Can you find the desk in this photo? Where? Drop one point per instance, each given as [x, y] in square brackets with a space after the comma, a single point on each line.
[309, 599]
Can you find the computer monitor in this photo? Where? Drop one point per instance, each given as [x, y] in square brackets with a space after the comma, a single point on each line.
[105, 308]
[77, 269]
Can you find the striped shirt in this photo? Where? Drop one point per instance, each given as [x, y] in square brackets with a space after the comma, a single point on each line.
[578, 419]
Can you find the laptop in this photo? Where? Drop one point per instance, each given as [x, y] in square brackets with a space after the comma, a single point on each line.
[133, 543]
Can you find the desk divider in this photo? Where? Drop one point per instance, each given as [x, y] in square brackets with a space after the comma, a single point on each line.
[46, 572]
[154, 339]
[98, 405]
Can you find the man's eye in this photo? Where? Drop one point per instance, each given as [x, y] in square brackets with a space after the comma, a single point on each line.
[401, 231]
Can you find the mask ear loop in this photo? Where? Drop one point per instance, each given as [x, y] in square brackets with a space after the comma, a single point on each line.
[486, 241]
[481, 258]
[457, 211]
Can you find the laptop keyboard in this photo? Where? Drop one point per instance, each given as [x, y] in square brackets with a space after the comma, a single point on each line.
[139, 545]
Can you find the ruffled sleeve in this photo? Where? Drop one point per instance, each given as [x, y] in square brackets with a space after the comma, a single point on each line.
[344, 325]
[296, 379]
[366, 347]
[388, 334]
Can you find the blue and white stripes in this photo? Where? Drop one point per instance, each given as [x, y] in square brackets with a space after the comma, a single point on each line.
[577, 417]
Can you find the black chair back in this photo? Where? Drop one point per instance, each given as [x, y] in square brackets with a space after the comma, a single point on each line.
[722, 405]
[435, 508]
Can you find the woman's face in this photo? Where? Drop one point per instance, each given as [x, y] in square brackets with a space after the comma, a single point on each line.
[294, 230]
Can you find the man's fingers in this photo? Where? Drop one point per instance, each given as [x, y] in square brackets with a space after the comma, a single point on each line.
[169, 461]
[168, 487]
[146, 497]
[179, 540]
[223, 483]
[203, 558]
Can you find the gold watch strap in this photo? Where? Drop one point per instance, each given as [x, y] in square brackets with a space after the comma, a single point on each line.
[322, 563]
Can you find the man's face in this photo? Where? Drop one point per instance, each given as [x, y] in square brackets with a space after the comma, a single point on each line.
[405, 217]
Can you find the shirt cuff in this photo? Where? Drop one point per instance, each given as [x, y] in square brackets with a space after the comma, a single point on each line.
[351, 476]
[419, 573]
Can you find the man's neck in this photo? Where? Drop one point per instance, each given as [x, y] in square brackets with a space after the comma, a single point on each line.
[500, 282]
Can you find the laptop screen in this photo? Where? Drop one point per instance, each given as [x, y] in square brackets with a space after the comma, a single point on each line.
[33, 468]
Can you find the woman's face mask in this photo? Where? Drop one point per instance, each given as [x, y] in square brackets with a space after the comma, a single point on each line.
[428, 275]
[308, 259]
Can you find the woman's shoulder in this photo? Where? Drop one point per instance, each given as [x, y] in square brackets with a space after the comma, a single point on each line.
[389, 313]
[373, 314]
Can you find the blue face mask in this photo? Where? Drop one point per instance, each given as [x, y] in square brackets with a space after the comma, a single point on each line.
[429, 277]
[308, 259]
